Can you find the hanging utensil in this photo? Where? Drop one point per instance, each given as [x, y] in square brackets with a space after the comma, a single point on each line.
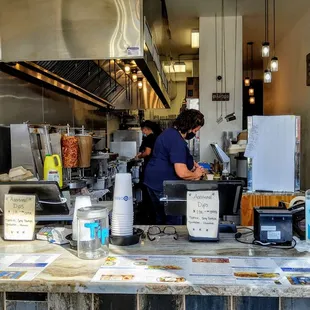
[219, 118]
[232, 116]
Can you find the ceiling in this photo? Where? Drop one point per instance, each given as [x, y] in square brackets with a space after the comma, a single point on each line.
[184, 15]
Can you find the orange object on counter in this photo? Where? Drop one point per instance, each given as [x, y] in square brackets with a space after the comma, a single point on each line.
[70, 151]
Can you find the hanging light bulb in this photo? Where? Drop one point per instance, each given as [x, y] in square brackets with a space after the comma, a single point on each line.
[251, 91]
[134, 75]
[265, 49]
[127, 68]
[266, 45]
[140, 84]
[252, 100]
[274, 64]
[247, 81]
[267, 76]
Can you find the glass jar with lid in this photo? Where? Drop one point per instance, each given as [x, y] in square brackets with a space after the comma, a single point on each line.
[93, 232]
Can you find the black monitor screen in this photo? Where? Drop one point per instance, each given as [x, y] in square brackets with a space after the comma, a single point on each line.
[175, 193]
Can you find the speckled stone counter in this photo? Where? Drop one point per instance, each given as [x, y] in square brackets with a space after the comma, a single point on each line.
[66, 283]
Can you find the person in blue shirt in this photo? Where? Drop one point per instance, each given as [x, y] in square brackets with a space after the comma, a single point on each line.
[172, 160]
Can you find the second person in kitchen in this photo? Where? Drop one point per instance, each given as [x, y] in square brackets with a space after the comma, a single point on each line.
[150, 131]
[172, 160]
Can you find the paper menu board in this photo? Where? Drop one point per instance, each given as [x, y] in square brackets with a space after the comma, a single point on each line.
[19, 217]
[214, 270]
[203, 214]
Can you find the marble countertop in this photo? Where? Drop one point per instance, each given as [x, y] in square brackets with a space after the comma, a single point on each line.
[70, 274]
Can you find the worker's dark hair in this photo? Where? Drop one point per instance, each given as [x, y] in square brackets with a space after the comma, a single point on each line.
[153, 126]
[189, 119]
[147, 124]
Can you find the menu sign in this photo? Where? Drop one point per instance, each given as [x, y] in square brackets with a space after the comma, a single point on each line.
[203, 214]
[19, 217]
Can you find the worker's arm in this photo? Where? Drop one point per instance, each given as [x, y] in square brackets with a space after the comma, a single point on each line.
[145, 153]
[185, 174]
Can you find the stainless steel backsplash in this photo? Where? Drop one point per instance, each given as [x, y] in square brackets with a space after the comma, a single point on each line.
[21, 101]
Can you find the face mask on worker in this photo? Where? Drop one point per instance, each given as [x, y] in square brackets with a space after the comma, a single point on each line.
[190, 135]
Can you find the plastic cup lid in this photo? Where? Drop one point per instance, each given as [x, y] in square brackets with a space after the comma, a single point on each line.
[89, 213]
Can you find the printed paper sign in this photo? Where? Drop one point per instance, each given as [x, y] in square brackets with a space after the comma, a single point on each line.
[133, 51]
[19, 217]
[203, 213]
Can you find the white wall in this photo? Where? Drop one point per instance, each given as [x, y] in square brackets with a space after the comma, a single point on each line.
[288, 93]
[212, 132]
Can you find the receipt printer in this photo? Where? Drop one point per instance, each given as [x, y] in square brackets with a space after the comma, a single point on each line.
[273, 225]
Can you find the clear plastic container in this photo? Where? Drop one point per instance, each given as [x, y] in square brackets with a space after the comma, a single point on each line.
[93, 232]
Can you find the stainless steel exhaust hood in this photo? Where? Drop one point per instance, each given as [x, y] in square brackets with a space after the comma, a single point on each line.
[58, 43]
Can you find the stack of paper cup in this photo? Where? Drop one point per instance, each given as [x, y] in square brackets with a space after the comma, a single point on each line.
[122, 214]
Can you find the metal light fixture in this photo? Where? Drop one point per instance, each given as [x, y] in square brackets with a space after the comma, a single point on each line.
[195, 38]
[134, 75]
[274, 65]
[267, 76]
[179, 66]
[247, 80]
[266, 45]
[140, 84]
[127, 68]
[252, 100]
[251, 91]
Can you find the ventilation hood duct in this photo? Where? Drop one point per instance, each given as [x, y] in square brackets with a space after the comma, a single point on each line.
[58, 44]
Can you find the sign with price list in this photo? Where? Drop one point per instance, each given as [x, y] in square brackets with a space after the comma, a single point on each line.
[19, 217]
[203, 214]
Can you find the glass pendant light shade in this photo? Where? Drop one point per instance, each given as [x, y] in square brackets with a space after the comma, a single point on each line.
[274, 64]
[247, 81]
[251, 91]
[127, 68]
[252, 100]
[267, 76]
[265, 49]
[140, 84]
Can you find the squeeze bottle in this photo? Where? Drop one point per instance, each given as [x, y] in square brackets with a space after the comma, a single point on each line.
[53, 169]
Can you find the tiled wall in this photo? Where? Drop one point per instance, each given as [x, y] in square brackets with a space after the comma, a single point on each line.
[21, 101]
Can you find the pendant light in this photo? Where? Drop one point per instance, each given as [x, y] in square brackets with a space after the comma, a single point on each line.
[232, 116]
[252, 100]
[266, 45]
[267, 76]
[134, 75]
[140, 84]
[251, 89]
[274, 65]
[127, 68]
[247, 80]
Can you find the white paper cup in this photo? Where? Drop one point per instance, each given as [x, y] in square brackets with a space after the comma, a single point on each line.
[129, 233]
[80, 202]
[123, 200]
[117, 225]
